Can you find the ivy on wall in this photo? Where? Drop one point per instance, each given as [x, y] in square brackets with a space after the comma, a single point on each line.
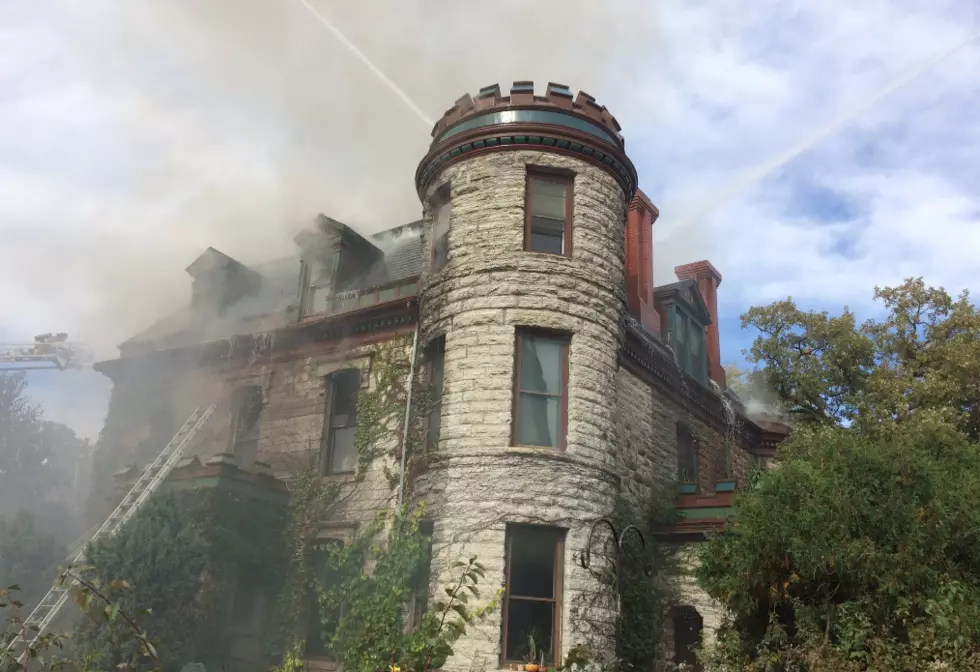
[643, 587]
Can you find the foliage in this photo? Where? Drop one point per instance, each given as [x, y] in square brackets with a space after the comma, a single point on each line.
[185, 554]
[643, 586]
[42, 650]
[37, 457]
[311, 501]
[924, 354]
[855, 555]
[28, 558]
[163, 554]
[370, 632]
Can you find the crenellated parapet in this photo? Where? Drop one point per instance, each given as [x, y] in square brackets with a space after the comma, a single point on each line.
[558, 122]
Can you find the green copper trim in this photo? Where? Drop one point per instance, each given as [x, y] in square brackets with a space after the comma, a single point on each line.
[527, 117]
[623, 174]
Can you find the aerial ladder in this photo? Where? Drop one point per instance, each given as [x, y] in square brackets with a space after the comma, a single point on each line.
[51, 604]
[48, 351]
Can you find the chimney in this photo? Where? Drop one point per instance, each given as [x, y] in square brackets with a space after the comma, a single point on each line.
[640, 219]
[708, 279]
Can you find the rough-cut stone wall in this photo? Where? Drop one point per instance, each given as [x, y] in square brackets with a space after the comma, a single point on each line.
[489, 287]
[690, 594]
[647, 419]
[294, 396]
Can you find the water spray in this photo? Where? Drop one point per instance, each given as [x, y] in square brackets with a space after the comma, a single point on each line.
[375, 70]
[766, 169]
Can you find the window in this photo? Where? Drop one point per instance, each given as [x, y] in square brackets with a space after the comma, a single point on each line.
[687, 457]
[320, 624]
[688, 625]
[532, 597]
[245, 435]
[440, 228]
[436, 367]
[541, 380]
[338, 449]
[421, 578]
[548, 214]
[688, 343]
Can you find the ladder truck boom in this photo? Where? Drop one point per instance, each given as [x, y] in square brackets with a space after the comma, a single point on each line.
[48, 351]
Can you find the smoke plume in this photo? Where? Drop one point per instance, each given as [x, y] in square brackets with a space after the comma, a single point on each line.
[159, 128]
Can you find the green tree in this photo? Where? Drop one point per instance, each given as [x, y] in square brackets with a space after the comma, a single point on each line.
[163, 555]
[924, 354]
[862, 550]
[28, 558]
[37, 460]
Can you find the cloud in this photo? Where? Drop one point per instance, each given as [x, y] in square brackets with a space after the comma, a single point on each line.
[133, 135]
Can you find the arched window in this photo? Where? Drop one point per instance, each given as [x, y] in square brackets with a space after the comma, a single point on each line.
[687, 455]
[688, 625]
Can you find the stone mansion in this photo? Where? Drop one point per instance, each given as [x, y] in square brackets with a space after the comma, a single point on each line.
[561, 379]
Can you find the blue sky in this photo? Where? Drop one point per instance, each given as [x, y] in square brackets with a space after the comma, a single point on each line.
[135, 134]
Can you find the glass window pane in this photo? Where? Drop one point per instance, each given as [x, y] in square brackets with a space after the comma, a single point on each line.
[368, 298]
[387, 294]
[529, 618]
[546, 243]
[548, 199]
[343, 457]
[532, 563]
[538, 420]
[440, 251]
[408, 289]
[434, 424]
[345, 388]
[541, 363]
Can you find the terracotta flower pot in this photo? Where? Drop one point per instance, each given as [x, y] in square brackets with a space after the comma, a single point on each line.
[531, 667]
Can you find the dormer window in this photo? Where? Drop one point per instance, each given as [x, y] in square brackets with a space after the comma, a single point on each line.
[442, 209]
[687, 341]
[685, 326]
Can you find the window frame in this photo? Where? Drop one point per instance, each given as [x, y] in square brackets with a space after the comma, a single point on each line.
[313, 606]
[554, 176]
[436, 349]
[237, 439]
[678, 616]
[327, 438]
[422, 580]
[695, 333]
[566, 339]
[442, 199]
[560, 535]
[682, 429]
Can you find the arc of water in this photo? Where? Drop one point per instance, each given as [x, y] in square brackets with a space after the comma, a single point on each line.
[375, 70]
[764, 170]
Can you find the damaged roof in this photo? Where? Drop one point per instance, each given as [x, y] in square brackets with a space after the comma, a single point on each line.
[274, 303]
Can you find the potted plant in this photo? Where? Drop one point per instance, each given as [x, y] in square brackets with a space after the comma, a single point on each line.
[531, 662]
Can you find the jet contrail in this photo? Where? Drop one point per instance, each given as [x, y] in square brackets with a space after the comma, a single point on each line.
[370, 66]
[766, 169]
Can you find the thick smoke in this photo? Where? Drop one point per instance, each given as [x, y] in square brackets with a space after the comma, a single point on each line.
[232, 123]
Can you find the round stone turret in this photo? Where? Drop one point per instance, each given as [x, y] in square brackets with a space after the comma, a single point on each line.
[524, 211]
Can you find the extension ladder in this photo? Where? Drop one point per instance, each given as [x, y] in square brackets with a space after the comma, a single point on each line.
[47, 609]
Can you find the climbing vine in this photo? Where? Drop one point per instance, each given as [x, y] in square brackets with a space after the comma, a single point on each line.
[373, 605]
[643, 588]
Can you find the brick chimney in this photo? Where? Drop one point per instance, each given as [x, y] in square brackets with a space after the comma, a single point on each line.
[708, 279]
[639, 261]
